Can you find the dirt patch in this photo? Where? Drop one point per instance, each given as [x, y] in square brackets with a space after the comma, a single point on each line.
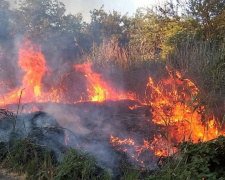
[7, 175]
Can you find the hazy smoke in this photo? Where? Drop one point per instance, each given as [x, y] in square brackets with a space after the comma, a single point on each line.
[89, 125]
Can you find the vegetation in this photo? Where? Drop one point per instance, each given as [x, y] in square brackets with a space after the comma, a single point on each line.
[24, 156]
[189, 36]
[77, 165]
[195, 161]
[38, 162]
[192, 161]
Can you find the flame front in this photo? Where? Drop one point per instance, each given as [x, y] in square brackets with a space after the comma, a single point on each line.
[176, 108]
[174, 101]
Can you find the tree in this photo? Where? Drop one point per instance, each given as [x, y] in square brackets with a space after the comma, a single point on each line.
[38, 18]
[210, 14]
[108, 26]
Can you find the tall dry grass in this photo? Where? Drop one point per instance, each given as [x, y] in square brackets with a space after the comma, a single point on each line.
[204, 63]
[111, 53]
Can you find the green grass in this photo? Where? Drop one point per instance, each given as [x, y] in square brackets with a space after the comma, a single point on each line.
[24, 156]
[79, 165]
[39, 163]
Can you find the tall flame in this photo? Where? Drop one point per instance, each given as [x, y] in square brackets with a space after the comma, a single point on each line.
[33, 64]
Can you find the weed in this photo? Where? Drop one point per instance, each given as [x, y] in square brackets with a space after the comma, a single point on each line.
[79, 165]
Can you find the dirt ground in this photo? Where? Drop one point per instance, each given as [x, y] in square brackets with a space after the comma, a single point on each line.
[7, 175]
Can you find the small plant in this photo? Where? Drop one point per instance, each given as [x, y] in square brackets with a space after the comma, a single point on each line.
[79, 165]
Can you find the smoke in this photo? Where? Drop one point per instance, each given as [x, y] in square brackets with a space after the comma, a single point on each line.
[89, 125]
[13, 4]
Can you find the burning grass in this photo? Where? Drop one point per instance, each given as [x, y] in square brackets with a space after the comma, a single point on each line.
[171, 102]
[192, 161]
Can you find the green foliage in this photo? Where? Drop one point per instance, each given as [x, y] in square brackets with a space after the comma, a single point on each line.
[130, 174]
[210, 15]
[24, 156]
[39, 163]
[203, 160]
[77, 165]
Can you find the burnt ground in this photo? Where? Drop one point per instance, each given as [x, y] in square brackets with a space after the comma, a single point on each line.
[89, 125]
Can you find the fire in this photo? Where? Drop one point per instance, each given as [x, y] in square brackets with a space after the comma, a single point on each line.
[33, 64]
[162, 147]
[174, 101]
[99, 90]
[176, 106]
[129, 144]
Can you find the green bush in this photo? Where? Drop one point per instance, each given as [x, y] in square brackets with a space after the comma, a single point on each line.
[203, 160]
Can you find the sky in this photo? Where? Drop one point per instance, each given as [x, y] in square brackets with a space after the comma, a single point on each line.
[122, 6]
[85, 6]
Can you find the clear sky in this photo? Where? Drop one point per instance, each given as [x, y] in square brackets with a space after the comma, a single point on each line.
[123, 6]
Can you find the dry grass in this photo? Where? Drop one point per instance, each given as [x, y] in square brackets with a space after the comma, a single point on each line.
[110, 53]
[204, 63]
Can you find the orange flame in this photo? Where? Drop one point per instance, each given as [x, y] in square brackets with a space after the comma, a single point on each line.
[176, 106]
[33, 63]
[175, 103]
[98, 90]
